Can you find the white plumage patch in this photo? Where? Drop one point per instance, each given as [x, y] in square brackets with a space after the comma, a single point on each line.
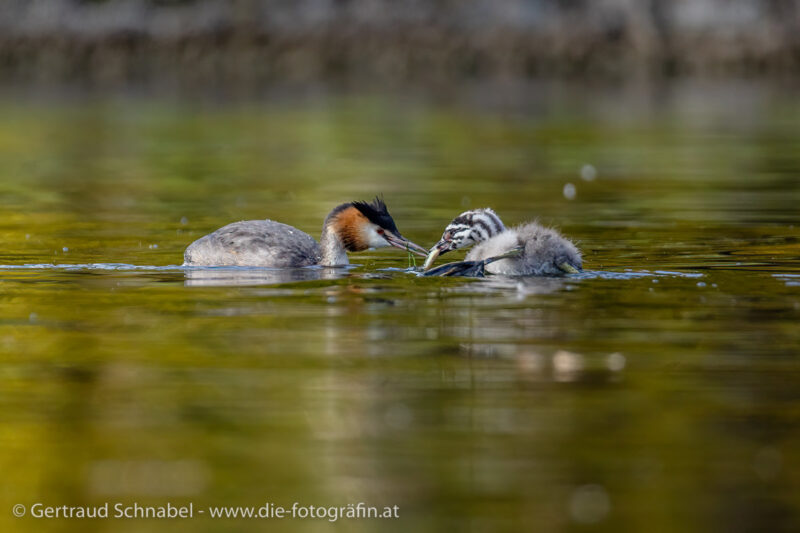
[374, 239]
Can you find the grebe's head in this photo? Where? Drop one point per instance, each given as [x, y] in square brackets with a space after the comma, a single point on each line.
[468, 228]
[364, 225]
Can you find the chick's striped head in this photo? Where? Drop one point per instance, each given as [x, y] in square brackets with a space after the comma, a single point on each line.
[468, 228]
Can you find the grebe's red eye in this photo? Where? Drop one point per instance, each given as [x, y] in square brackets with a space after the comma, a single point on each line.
[380, 231]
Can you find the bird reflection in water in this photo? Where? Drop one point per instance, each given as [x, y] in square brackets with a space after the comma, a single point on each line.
[220, 277]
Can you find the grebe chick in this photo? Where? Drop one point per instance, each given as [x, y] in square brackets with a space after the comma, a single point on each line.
[528, 249]
[350, 227]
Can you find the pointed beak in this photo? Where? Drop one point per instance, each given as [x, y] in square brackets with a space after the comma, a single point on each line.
[438, 249]
[398, 241]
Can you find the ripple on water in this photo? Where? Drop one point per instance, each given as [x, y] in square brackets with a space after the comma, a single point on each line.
[203, 275]
[92, 266]
[791, 280]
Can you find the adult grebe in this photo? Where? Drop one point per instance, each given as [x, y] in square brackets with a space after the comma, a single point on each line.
[528, 249]
[350, 227]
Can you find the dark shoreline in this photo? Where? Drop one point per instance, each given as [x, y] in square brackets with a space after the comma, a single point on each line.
[254, 41]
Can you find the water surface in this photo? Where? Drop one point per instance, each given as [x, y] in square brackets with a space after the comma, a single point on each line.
[658, 391]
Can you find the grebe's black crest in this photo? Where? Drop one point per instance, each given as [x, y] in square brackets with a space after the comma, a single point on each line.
[377, 213]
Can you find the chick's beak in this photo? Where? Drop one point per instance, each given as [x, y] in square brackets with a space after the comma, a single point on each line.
[398, 241]
[438, 249]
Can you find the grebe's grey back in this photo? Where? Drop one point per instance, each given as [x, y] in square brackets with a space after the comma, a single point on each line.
[349, 227]
[529, 249]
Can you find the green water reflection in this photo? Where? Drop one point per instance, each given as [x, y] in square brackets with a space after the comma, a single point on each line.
[478, 405]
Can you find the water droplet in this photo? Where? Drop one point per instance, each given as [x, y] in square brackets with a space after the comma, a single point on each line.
[701, 284]
[65, 249]
[569, 191]
[567, 365]
[616, 362]
[184, 220]
[33, 318]
[588, 172]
